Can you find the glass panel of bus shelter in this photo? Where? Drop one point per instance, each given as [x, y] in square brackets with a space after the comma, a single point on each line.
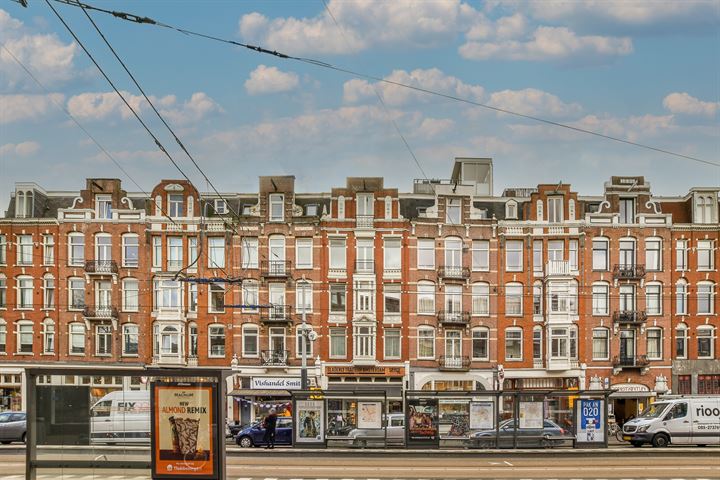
[481, 422]
[560, 423]
[453, 421]
[341, 417]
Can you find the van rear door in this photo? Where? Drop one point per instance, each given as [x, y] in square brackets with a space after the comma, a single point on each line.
[706, 421]
[677, 422]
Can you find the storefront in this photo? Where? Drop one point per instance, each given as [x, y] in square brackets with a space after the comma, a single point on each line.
[11, 390]
[387, 381]
[628, 400]
[253, 397]
[435, 380]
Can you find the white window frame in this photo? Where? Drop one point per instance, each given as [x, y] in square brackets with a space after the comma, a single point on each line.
[426, 294]
[3, 249]
[513, 290]
[480, 334]
[606, 343]
[216, 252]
[653, 298]
[364, 341]
[275, 200]
[600, 299]
[706, 246]
[306, 287]
[220, 206]
[514, 247]
[49, 287]
[22, 294]
[426, 334]
[25, 250]
[711, 339]
[157, 252]
[103, 207]
[710, 295]
[107, 343]
[176, 208]
[453, 210]
[683, 340]
[425, 247]
[601, 242]
[511, 210]
[77, 281]
[480, 299]
[128, 334]
[481, 255]
[49, 337]
[23, 330]
[333, 289]
[555, 210]
[250, 296]
[396, 335]
[514, 330]
[659, 339]
[3, 291]
[392, 254]
[573, 247]
[250, 332]
[681, 255]
[335, 334]
[250, 253]
[127, 296]
[537, 347]
[76, 329]
[213, 289]
[653, 246]
[212, 333]
[127, 247]
[72, 260]
[48, 250]
[304, 253]
[338, 258]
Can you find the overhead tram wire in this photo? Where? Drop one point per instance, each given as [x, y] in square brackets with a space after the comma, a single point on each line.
[146, 20]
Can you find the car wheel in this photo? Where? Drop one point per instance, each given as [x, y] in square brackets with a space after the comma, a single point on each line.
[546, 443]
[5, 442]
[636, 444]
[702, 445]
[660, 440]
[23, 438]
[361, 443]
[484, 444]
[245, 442]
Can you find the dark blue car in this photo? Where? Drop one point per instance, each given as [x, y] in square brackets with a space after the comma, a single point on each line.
[252, 436]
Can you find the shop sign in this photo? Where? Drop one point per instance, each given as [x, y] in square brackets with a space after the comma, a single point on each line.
[365, 370]
[590, 421]
[182, 423]
[275, 383]
[629, 387]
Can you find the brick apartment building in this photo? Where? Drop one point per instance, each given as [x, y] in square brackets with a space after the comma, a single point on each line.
[448, 287]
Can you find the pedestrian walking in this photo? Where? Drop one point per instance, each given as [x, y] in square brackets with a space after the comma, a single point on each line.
[269, 425]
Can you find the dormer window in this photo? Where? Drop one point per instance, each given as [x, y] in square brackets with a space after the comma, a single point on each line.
[24, 205]
[311, 210]
[704, 209]
[103, 207]
[627, 210]
[277, 211]
[247, 209]
[555, 209]
[511, 210]
[220, 206]
[175, 205]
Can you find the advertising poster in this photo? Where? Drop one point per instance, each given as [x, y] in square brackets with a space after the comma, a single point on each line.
[590, 421]
[369, 415]
[482, 415]
[309, 421]
[531, 415]
[182, 430]
[423, 420]
[454, 418]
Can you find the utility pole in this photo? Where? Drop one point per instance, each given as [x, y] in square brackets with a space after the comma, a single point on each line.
[303, 350]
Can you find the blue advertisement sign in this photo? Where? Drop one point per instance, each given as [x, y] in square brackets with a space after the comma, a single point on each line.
[590, 425]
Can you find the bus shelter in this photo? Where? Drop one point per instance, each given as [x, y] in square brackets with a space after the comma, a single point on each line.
[164, 423]
[340, 418]
[506, 419]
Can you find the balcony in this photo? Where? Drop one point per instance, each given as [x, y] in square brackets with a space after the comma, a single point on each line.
[364, 266]
[454, 363]
[448, 317]
[364, 221]
[629, 272]
[630, 361]
[451, 272]
[101, 267]
[558, 268]
[277, 315]
[630, 317]
[273, 358]
[100, 313]
[275, 268]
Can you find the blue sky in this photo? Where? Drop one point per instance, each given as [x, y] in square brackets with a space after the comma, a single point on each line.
[647, 72]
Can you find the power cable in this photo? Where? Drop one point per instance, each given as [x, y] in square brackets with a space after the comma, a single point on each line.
[145, 20]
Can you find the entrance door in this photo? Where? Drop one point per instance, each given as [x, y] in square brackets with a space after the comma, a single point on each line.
[627, 347]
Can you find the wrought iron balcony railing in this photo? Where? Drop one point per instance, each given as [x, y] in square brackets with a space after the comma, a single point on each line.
[101, 267]
[453, 272]
[630, 317]
[629, 272]
[631, 361]
[275, 268]
[454, 362]
[273, 358]
[364, 221]
[102, 312]
[453, 317]
[276, 314]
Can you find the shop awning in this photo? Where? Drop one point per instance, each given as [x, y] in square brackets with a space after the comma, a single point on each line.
[632, 394]
[249, 392]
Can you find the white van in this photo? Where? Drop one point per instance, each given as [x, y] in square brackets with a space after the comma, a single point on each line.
[121, 417]
[684, 420]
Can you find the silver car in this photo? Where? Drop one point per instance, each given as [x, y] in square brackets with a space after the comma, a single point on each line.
[395, 432]
[13, 427]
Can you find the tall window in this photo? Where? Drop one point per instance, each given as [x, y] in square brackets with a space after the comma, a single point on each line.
[705, 300]
[391, 293]
[392, 343]
[573, 255]
[364, 295]
[653, 254]
[392, 249]
[513, 299]
[338, 345]
[48, 250]
[556, 250]
[77, 338]
[514, 255]
[600, 344]
[216, 334]
[337, 254]
[217, 298]
[103, 340]
[48, 292]
[426, 298]
[537, 343]
[277, 210]
[653, 299]
[705, 209]
[130, 294]
[453, 299]
[705, 257]
[627, 253]
[175, 205]
[537, 298]
[130, 249]
[481, 344]
[559, 343]
[24, 337]
[174, 253]
[706, 341]
[681, 255]
[513, 344]
[426, 254]
[537, 246]
[193, 297]
[365, 205]
[24, 206]
[193, 340]
[600, 294]
[555, 209]
[364, 341]
[627, 210]
[627, 298]
[157, 252]
[103, 247]
[216, 252]
[304, 253]
[654, 343]
[48, 336]
[250, 341]
[24, 292]
[3, 291]
[681, 341]
[192, 251]
[304, 296]
[600, 254]
[76, 249]
[3, 336]
[76, 293]
[338, 298]
[481, 255]
[250, 290]
[249, 252]
[453, 211]
[573, 342]
[426, 343]
[341, 207]
[103, 207]
[3, 250]
[24, 250]
[130, 339]
[453, 254]
[166, 295]
[481, 299]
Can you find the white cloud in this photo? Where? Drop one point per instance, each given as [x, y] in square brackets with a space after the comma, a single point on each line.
[16, 108]
[44, 54]
[429, 79]
[23, 149]
[198, 107]
[531, 101]
[545, 43]
[266, 79]
[362, 24]
[432, 127]
[684, 103]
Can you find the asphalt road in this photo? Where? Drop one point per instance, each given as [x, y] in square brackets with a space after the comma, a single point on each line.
[278, 465]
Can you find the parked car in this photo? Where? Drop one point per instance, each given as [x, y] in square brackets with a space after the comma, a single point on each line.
[233, 429]
[13, 427]
[549, 436]
[395, 432]
[252, 436]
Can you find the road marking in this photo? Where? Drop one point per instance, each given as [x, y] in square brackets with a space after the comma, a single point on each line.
[508, 463]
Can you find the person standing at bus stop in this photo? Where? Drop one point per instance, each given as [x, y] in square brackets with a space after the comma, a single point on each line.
[269, 424]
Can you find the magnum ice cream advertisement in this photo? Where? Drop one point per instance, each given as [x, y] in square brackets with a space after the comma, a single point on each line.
[182, 431]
